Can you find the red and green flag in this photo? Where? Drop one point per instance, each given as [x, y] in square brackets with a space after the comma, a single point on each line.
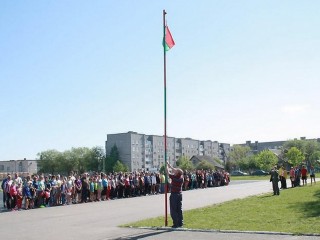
[168, 42]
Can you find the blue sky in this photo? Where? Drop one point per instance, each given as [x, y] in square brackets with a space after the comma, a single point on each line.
[72, 72]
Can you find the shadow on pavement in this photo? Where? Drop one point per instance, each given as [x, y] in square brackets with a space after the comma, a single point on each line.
[143, 235]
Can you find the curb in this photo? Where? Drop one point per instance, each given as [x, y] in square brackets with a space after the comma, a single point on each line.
[229, 231]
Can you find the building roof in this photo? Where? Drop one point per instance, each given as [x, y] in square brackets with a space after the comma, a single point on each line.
[198, 158]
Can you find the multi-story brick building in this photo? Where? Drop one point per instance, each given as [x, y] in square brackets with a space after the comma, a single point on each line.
[147, 152]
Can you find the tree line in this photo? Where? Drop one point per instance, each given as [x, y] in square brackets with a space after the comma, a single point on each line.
[292, 153]
[80, 160]
[83, 159]
[186, 164]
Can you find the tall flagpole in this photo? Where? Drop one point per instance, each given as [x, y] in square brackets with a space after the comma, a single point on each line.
[165, 117]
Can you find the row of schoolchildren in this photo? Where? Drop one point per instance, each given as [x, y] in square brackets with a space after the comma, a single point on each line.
[296, 174]
[34, 191]
[301, 173]
[205, 178]
[46, 191]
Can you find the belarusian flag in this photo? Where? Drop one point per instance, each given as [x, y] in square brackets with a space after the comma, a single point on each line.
[169, 42]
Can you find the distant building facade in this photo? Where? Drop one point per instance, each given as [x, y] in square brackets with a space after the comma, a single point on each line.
[147, 152]
[257, 147]
[22, 167]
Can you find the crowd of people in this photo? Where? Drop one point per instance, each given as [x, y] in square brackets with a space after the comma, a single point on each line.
[296, 174]
[38, 191]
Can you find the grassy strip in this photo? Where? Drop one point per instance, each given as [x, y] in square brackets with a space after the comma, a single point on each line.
[296, 211]
[235, 178]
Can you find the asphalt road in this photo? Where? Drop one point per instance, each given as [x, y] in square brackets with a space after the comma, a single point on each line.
[99, 221]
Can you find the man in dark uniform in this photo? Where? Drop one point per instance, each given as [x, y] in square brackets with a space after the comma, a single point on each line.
[176, 176]
[4, 197]
[275, 179]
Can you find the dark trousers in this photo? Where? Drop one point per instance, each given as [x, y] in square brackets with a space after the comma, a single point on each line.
[9, 201]
[104, 191]
[283, 183]
[275, 188]
[4, 199]
[84, 195]
[176, 209]
[147, 188]
[112, 193]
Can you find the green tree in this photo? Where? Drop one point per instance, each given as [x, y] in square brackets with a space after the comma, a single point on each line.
[82, 155]
[120, 167]
[112, 158]
[229, 166]
[314, 158]
[294, 156]
[311, 147]
[69, 161]
[250, 163]
[162, 169]
[238, 156]
[95, 158]
[239, 153]
[253, 163]
[300, 144]
[307, 148]
[75, 160]
[205, 165]
[48, 161]
[82, 159]
[184, 163]
[266, 160]
[243, 164]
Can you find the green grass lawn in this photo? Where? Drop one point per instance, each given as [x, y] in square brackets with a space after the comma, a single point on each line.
[296, 211]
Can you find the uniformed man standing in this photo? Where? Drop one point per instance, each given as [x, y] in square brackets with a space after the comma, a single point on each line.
[275, 179]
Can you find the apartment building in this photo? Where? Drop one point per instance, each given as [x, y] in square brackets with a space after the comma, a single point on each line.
[257, 147]
[147, 152]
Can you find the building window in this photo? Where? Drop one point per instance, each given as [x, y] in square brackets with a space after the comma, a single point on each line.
[1, 167]
[20, 167]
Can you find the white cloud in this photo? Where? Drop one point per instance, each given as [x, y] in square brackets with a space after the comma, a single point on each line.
[295, 108]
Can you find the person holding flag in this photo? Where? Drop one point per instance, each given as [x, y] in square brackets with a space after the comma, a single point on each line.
[176, 176]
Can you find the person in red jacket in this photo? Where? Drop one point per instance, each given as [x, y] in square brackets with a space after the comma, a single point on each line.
[176, 176]
[304, 174]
